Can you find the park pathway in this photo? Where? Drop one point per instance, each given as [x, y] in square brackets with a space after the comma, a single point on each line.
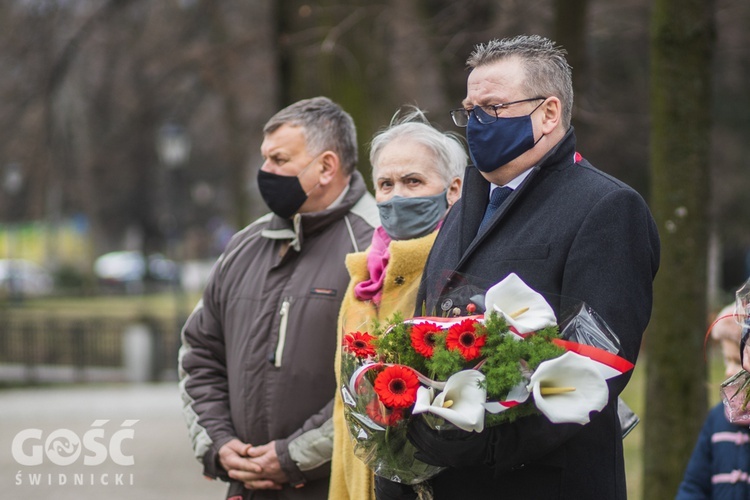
[98, 441]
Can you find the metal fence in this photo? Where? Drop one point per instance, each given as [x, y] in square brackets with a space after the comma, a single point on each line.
[44, 349]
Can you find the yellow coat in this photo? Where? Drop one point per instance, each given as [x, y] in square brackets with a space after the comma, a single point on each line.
[350, 477]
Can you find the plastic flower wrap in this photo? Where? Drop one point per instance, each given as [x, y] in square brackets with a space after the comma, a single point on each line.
[471, 372]
[735, 391]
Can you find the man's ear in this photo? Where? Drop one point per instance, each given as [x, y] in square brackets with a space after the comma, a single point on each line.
[454, 191]
[329, 168]
[551, 114]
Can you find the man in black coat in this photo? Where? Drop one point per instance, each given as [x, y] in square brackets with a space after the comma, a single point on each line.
[572, 233]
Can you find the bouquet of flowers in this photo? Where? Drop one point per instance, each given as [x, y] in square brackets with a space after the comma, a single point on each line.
[735, 391]
[473, 371]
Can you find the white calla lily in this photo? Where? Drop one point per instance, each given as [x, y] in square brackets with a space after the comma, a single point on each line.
[461, 403]
[567, 388]
[523, 308]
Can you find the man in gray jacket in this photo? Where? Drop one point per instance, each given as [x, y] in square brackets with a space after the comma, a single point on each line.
[256, 362]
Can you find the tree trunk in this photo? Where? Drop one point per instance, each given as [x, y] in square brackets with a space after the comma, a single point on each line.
[570, 32]
[372, 58]
[335, 52]
[682, 42]
[245, 77]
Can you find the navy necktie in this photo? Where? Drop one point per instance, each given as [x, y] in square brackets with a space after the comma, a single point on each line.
[499, 195]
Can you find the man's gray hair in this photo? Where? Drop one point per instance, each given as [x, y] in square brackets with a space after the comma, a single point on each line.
[450, 155]
[547, 71]
[326, 126]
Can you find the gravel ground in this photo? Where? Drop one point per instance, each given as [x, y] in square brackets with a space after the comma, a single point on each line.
[101, 441]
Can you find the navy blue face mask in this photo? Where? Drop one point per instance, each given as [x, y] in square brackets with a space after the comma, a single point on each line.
[494, 144]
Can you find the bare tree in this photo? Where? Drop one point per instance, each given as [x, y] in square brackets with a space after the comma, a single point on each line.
[86, 84]
[88, 111]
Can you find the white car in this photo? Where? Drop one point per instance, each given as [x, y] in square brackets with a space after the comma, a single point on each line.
[128, 267]
[125, 266]
[24, 277]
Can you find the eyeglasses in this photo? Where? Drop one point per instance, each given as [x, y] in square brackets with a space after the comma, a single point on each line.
[484, 114]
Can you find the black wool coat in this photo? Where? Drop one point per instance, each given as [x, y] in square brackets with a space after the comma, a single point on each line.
[574, 234]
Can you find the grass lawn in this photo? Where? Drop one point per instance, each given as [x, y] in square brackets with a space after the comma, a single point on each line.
[634, 395]
[158, 305]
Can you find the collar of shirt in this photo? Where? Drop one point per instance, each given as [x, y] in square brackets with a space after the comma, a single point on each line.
[340, 198]
[513, 184]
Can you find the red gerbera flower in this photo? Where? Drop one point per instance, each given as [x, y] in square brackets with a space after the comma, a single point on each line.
[383, 415]
[424, 337]
[464, 338]
[360, 344]
[396, 386]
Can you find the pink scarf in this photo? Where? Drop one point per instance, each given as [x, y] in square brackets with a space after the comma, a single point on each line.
[377, 260]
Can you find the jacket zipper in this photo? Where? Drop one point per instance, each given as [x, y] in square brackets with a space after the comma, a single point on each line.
[282, 332]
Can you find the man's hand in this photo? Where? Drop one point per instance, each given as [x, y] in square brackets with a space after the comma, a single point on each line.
[265, 457]
[746, 358]
[453, 448]
[233, 456]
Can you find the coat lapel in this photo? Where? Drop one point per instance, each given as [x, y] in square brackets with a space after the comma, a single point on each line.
[473, 215]
[474, 199]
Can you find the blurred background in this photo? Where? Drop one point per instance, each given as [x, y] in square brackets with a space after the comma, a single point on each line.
[131, 133]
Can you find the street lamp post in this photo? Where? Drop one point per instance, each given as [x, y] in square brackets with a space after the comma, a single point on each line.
[173, 147]
[12, 184]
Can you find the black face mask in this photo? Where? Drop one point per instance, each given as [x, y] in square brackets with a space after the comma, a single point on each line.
[282, 193]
